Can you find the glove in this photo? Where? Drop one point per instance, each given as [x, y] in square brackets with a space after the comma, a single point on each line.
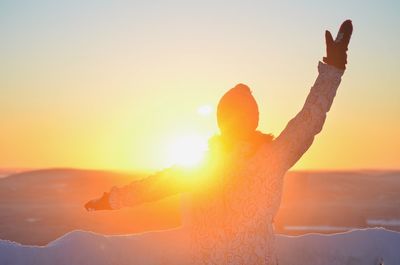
[99, 204]
[336, 50]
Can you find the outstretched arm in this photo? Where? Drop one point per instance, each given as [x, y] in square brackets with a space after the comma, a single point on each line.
[162, 184]
[299, 133]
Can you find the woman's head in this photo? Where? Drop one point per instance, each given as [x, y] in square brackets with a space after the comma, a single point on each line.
[237, 113]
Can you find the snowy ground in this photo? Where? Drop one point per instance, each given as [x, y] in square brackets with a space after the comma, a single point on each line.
[363, 247]
[37, 207]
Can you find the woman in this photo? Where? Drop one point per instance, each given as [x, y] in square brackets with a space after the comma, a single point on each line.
[234, 197]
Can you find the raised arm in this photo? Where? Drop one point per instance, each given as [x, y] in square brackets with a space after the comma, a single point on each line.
[299, 133]
[162, 184]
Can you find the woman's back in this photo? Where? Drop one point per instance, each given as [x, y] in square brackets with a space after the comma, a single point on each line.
[230, 221]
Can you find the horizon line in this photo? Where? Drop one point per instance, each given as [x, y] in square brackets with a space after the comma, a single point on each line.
[32, 169]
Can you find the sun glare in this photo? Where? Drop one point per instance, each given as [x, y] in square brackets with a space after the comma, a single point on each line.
[187, 150]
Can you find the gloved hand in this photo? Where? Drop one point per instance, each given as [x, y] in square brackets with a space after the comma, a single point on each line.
[99, 204]
[336, 50]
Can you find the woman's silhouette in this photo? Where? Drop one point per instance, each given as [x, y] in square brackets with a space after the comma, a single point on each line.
[233, 198]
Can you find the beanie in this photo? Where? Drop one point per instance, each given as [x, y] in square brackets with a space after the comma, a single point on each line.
[237, 111]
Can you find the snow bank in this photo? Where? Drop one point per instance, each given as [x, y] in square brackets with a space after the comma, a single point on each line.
[361, 246]
[364, 246]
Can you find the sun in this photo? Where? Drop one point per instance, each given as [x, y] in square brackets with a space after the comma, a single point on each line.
[186, 150]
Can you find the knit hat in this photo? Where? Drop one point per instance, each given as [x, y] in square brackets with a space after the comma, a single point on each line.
[237, 111]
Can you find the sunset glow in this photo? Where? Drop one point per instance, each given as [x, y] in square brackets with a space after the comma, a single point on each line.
[105, 90]
[187, 150]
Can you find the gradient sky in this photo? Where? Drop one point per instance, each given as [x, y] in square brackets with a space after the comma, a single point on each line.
[110, 84]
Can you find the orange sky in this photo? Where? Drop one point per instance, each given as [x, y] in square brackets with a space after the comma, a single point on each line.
[113, 86]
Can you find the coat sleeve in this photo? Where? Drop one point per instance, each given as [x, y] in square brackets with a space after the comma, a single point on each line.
[299, 133]
[167, 182]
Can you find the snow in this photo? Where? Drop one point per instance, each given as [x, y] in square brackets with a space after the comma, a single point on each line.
[361, 246]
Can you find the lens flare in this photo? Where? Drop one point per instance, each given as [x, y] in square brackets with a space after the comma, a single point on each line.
[204, 110]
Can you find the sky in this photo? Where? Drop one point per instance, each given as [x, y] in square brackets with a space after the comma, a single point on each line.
[122, 84]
